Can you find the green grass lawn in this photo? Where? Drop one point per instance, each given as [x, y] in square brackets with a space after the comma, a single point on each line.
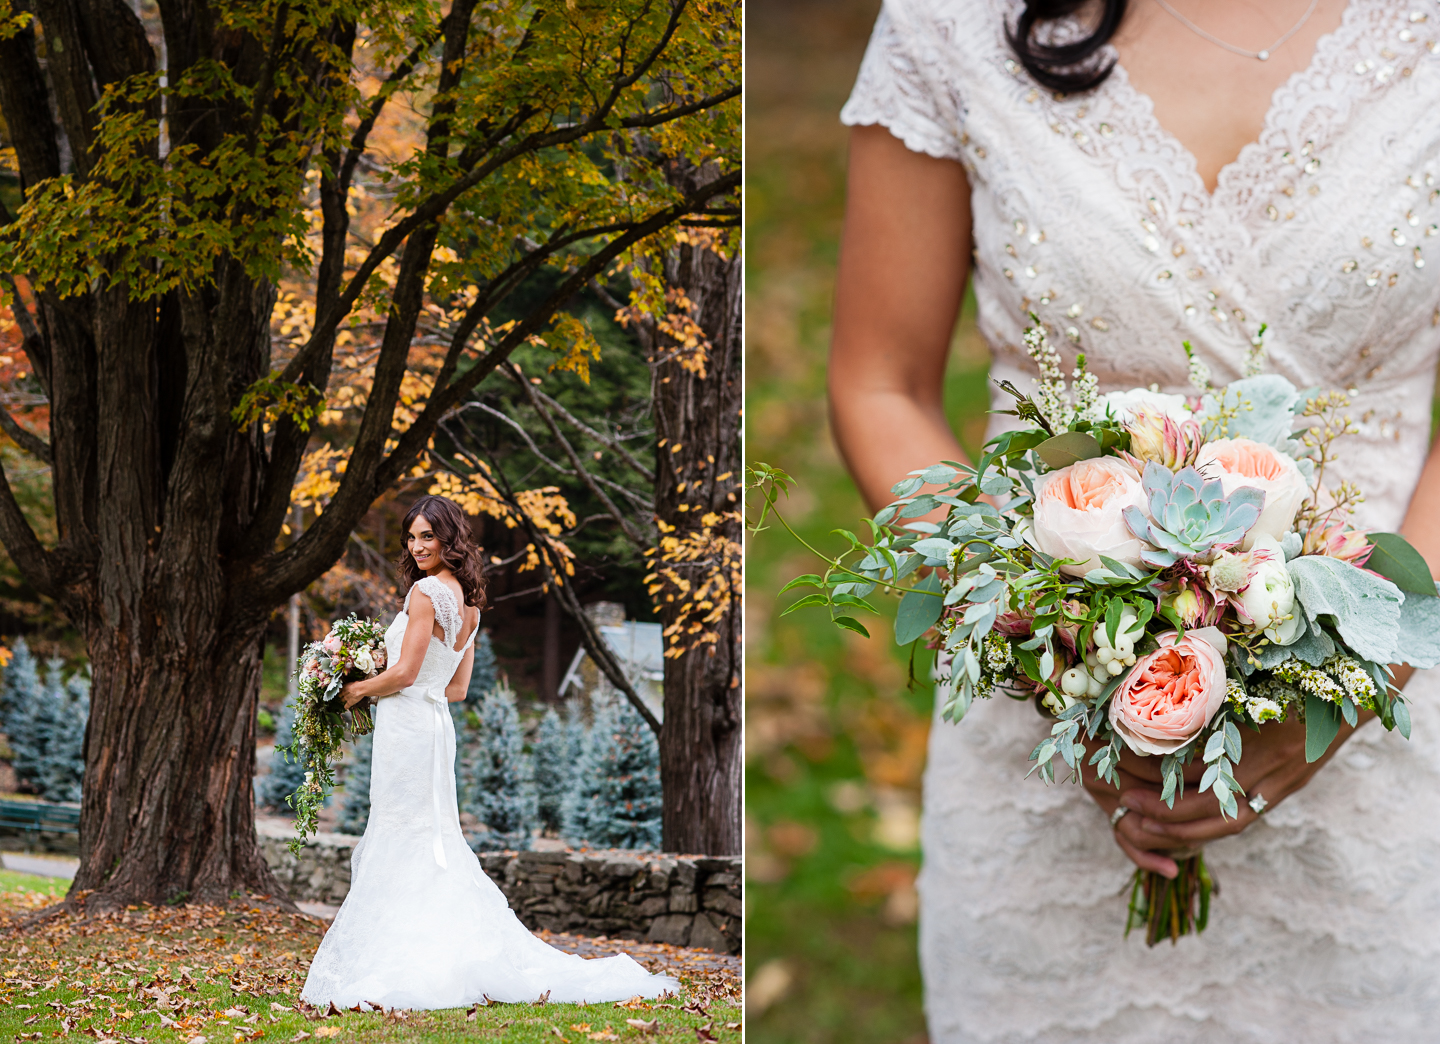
[221, 975]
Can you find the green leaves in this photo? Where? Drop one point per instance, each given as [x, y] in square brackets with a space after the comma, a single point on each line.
[1394, 559]
[1322, 724]
[919, 610]
[1067, 448]
[1365, 609]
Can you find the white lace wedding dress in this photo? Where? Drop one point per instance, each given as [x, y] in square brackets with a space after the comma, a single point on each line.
[422, 926]
[1086, 211]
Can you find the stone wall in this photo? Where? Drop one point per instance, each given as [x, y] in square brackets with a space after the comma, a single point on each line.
[684, 900]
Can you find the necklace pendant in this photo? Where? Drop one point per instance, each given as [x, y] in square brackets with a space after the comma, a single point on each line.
[1264, 56]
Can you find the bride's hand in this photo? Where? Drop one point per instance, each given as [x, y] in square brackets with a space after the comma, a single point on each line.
[1272, 764]
[350, 696]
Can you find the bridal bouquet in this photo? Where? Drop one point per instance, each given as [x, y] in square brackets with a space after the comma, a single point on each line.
[1164, 571]
[354, 649]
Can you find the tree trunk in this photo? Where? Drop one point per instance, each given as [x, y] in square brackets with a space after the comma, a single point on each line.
[697, 421]
[169, 811]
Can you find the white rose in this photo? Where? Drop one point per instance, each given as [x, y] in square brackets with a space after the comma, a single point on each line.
[1078, 514]
[1241, 462]
[364, 660]
[1124, 405]
[1269, 600]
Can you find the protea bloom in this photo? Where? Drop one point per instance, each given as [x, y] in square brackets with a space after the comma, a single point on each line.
[1159, 437]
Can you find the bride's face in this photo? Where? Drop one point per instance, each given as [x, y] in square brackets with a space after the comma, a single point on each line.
[425, 545]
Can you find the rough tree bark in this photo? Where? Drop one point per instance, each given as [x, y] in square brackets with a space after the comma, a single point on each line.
[697, 479]
[168, 511]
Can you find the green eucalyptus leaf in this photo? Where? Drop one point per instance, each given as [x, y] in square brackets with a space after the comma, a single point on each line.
[919, 610]
[1395, 559]
[1067, 448]
[1322, 725]
[1402, 718]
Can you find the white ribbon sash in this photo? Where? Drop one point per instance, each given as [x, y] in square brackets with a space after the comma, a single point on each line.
[439, 767]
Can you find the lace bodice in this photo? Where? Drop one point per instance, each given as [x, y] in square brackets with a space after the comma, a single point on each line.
[1089, 213]
[1086, 211]
[441, 657]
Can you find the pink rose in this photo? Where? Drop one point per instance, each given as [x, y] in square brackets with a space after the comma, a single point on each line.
[1078, 513]
[332, 643]
[1171, 693]
[1241, 462]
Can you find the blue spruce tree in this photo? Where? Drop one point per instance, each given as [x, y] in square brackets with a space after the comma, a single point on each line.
[44, 719]
[21, 691]
[553, 768]
[355, 812]
[616, 800]
[484, 672]
[286, 771]
[500, 784]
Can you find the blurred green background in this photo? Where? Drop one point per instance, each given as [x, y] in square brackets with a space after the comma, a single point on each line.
[835, 730]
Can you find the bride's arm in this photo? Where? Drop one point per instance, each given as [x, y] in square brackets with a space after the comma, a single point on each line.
[1274, 760]
[420, 621]
[904, 259]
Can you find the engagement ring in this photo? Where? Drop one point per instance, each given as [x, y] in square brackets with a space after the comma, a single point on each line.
[1258, 803]
[1117, 815]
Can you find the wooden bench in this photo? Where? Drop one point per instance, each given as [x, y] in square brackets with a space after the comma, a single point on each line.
[35, 817]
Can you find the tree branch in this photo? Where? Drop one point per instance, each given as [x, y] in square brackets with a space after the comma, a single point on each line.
[564, 593]
[580, 470]
[27, 440]
[604, 440]
[23, 546]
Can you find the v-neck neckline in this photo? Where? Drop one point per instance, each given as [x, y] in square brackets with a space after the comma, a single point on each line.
[1131, 97]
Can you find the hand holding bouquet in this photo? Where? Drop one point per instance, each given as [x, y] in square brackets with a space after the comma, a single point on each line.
[354, 649]
[1165, 570]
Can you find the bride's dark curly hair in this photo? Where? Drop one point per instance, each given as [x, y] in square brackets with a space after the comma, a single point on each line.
[1071, 66]
[458, 549]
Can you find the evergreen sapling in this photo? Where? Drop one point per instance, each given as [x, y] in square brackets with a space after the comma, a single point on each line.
[553, 768]
[501, 783]
[355, 812]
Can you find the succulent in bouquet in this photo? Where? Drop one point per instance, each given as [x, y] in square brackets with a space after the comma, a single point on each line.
[354, 649]
[1156, 572]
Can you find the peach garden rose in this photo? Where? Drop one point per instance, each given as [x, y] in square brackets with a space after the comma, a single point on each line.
[1172, 692]
[1078, 513]
[1243, 462]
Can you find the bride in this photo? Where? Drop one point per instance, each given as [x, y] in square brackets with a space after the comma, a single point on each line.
[422, 926]
[1141, 174]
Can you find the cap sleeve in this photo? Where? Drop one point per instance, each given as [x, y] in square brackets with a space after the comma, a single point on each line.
[903, 87]
[447, 613]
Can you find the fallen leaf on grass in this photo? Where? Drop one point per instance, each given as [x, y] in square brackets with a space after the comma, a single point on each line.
[703, 1034]
[328, 1031]
[302, 1035]
[732, 1025]
[278, 1007]
[196, 1040]
[580, 1027]
[644, 1027]
[602, 1035]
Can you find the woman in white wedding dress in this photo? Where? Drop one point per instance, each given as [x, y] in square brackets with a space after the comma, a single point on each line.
[422, 926]
[1128, 211]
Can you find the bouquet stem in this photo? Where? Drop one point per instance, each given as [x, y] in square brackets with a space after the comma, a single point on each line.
[1167, 908]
